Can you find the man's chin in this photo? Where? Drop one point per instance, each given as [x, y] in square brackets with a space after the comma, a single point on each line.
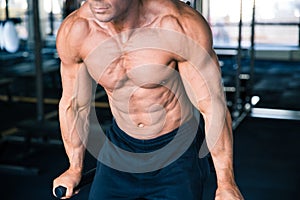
[103, 17]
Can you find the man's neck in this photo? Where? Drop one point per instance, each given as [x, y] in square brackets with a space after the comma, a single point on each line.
[131, 19]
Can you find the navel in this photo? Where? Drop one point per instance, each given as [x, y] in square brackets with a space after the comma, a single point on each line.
[141, 125]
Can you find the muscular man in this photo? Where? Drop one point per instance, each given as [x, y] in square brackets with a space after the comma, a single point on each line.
[154, 58]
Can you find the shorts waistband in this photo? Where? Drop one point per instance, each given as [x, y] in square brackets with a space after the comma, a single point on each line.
[120, 138]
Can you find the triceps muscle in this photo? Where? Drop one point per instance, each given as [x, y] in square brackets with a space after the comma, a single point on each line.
[203, 85]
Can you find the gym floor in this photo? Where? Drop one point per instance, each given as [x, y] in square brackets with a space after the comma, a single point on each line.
[266, 149]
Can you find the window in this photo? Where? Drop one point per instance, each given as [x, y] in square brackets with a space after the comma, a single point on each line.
[276, 21]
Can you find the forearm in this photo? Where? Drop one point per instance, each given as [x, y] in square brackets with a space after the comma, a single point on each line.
[218, 134]
[222, 154]
[74, 125]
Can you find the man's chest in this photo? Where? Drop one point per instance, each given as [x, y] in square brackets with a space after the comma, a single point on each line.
[113, 65]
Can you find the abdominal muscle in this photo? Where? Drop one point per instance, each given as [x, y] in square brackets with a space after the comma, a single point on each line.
[149, 112]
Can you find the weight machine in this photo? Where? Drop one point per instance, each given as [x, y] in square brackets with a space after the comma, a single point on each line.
[240, 93]
[39, 125]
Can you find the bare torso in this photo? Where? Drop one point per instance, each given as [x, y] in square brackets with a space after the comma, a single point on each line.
[152, 79]
[145, 91]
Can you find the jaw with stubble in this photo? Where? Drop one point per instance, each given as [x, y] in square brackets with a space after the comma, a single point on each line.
[111, 10]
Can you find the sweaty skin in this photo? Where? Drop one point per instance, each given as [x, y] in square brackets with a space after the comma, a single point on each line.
[151, 91]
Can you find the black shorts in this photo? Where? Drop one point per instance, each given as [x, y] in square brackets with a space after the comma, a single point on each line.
[181, 179]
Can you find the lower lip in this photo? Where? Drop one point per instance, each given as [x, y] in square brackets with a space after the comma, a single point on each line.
[100, 10]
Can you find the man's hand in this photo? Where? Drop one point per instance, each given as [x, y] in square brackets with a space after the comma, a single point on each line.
[69, 179]
[228, 192]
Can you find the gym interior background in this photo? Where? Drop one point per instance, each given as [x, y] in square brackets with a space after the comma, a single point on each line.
[258, 44]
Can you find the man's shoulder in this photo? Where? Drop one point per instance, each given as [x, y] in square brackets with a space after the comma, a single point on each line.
[74, 24]
[176, 14]
[72, 31]
[71, 35]
[179, 17]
